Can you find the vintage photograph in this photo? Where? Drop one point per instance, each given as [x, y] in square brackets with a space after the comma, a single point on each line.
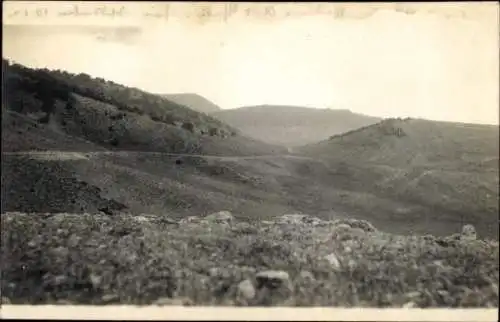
[250, 155]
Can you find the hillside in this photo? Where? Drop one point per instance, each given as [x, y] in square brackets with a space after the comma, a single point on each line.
[193, 101]
[451, 168]
[116, 117]
[23, 133]
[411, 141]
[107, 153]
[292, 125]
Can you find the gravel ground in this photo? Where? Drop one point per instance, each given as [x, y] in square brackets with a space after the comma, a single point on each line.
[218, 260]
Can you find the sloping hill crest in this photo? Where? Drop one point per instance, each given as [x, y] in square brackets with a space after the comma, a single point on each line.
[119, 117]
[193, 101]
[292, 126]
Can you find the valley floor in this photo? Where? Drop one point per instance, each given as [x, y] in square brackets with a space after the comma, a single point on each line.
[219, 260]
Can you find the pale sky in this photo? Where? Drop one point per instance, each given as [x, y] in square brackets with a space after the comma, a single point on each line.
[390, 64]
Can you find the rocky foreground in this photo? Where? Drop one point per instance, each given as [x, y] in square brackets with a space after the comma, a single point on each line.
[296, 260]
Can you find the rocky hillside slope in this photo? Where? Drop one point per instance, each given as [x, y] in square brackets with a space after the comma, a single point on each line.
[295, 260]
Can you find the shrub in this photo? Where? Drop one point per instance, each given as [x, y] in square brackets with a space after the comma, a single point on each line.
[188, 126]
[213, 131]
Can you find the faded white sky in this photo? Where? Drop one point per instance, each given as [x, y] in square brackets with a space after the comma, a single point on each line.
[390, 64]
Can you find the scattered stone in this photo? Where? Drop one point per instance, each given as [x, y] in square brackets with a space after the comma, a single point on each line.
[409, 305]
[223, 217]
[313, 221]
[344, 232]
[363, 225]
[247, 269]
[291, 219]
[60, 279]
[219, 272]
[306, 275]
[412, 295]
[95, 280]
[244, 228]
[354, 223]
[228, 302]
[348, 249]
[351, 263]
[438, 263]
[449, 241]
[334, 261]
[169, 221]
[183, 301]
[109, 298]
[272, 279]
[299, 219]
[141, 218]
[429, 238]
[342, 227]
[494, 288]
[214, 271]
[107, 210]
[246, 289]
[190, 219]
[468, 232]
[321, 223]
[59, 252]
[358, 232]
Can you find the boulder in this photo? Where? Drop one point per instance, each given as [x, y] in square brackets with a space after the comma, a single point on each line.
[220, 217]
[291, 219]
[334, 261]
[246, 289]
[272, 279]
[341, 232]
[364, 225]
[244, 228]
[190, 219]
[181, 301]
[313, 221]
[141, 218]
[355, 223]
[306, 275]
[468, 232]
[299, 219]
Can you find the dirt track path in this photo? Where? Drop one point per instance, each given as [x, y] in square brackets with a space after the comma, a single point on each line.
[65, 155]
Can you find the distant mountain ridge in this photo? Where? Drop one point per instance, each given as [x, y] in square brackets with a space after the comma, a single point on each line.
[193, 101]
[292, 125]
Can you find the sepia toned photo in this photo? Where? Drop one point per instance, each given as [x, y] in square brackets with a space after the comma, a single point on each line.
[172, 156]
